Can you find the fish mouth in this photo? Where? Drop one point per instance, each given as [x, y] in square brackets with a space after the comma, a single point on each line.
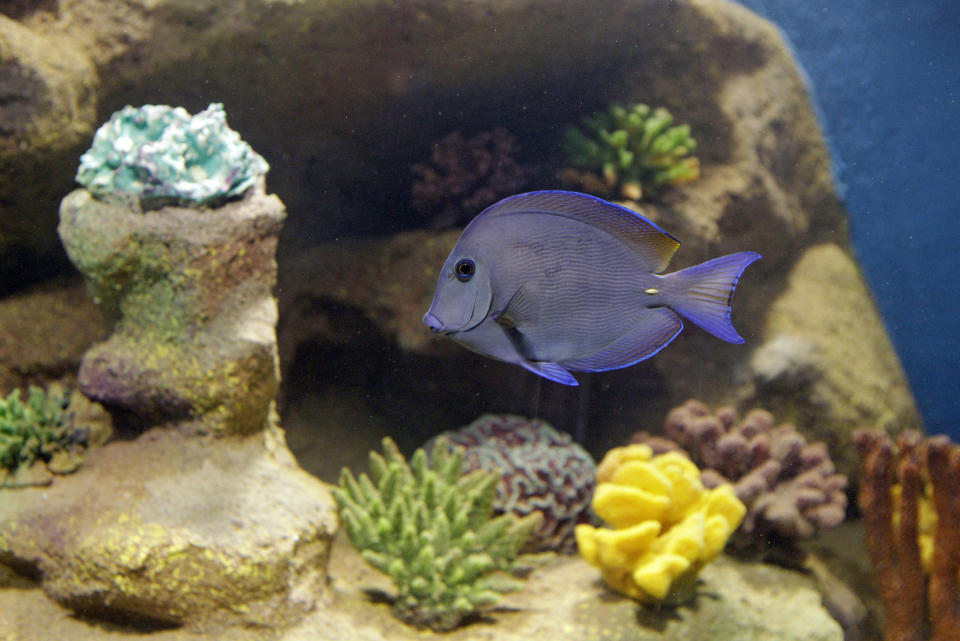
[435, 325]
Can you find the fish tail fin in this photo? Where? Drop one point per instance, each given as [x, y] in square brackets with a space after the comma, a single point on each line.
[702, 293]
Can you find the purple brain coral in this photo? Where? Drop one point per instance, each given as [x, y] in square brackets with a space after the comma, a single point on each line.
[541, 469]
[790, 487]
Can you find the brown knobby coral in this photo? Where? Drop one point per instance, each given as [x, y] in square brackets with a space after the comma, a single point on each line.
[791, 488]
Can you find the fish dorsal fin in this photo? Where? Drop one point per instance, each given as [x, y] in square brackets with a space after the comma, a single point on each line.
[655, 246]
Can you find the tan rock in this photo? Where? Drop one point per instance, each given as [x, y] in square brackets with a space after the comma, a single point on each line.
[562, 601]
[391, 280]
[178, 530]
[45, 333]
[347, 124]
[826, 354]
[48, 110]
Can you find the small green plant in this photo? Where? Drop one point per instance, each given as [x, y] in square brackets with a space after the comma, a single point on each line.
[431, 530]
[634, 150]
[33, 430]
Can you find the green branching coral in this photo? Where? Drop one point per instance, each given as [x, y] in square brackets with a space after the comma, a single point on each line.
[33, 430]
[429, 528]
[634, 150]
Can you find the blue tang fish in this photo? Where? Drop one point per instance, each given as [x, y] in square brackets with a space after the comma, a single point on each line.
[557, 281]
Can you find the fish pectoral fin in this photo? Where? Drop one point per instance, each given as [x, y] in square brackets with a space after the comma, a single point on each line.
[525, 358]
[550, 371]
[519, 342]
[520, 309]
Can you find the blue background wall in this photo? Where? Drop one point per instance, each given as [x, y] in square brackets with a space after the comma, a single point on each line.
[885, 76]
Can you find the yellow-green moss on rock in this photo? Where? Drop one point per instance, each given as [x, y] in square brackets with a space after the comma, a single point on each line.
[189, 294]
[194, 531]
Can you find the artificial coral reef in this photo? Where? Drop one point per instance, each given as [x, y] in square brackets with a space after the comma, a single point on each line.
[665, 524]
[175, 281]
[539, 470]
[465, 175]
[898, 486]
[163, 155]
[630, 152]
[791, 488]
[430, 528]
[200, 515]
[35, 431]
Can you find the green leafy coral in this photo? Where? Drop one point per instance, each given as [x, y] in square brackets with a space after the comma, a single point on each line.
[33, 430]
[635, 151]
[430, 529]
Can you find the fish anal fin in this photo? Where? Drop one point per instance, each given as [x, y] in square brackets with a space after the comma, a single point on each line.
[656, 328]
[550, 371]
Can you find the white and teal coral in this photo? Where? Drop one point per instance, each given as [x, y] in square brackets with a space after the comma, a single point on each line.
[163, 155]
[430, 529]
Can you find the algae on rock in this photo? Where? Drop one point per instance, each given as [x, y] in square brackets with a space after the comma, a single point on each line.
[189, 295]
[187, 288]
[207, 517]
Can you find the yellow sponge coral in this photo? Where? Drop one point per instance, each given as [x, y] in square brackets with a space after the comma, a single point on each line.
[665, 524]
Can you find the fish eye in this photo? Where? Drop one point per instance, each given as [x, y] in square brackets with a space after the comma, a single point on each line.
[465, 270]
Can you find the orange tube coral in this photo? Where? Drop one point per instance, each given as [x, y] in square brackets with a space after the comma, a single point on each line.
[943, 466]
[892, 540]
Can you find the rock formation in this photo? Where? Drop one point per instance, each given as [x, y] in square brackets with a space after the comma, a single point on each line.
[202, 516]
